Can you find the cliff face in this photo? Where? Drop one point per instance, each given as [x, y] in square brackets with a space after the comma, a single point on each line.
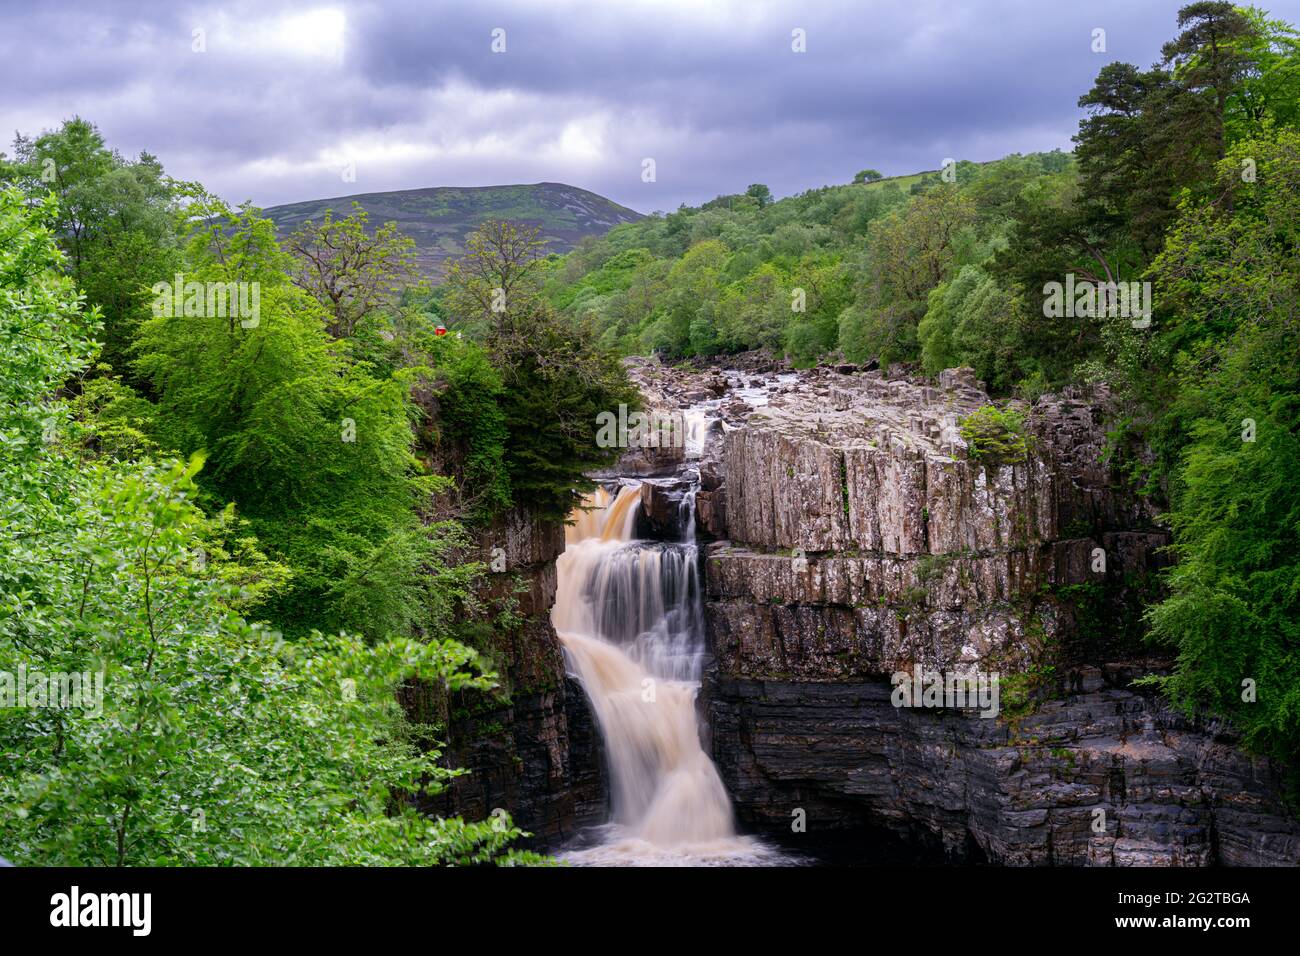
[851, 536]
[857, 538]
[531, 746]
[1017, 793]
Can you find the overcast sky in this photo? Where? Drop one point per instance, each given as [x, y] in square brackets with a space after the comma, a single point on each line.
[284, 98]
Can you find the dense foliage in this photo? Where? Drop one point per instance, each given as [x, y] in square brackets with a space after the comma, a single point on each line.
[995, 436]
[555, 383]
[853, 269]
[196, 736]
[1230, 274]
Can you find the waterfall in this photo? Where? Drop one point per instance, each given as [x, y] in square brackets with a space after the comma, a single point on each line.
[698, 420]
[629, 614]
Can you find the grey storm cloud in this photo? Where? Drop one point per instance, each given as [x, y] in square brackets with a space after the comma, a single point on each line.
[284, 97]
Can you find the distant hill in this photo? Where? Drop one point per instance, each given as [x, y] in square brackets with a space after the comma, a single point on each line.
[438, 218]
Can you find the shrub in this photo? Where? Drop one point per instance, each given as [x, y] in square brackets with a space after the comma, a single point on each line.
[996, 436]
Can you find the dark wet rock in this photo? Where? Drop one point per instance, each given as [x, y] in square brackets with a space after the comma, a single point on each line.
[663, 513]
[711, 513]
[531, 747]
[1101, 778]
[710, 475]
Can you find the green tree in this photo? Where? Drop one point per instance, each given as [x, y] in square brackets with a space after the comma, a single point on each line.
[471, 424]
[1224, 364]
[1268, 94]
[494, 288]
[1150, 134]
[314, 448]
[356, 276]
[761, 193]
[556, 382]
[1209, 58]
[972, 321]
[116, 222]
[909, 253]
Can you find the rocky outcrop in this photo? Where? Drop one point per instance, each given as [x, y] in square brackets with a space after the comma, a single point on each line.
[866, 524]
[660, 448]
[849, 535]
[861, 462]
[530, 747]
[662, 515]
[859, 538]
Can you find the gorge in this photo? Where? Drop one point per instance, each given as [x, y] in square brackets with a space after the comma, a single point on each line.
[816, 532]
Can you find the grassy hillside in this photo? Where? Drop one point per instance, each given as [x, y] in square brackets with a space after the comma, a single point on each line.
[439, 218]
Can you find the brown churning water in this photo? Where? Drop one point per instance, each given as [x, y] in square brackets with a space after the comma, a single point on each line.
[629, 615]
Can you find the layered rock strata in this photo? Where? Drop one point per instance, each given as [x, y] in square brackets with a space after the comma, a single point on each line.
[860, 538]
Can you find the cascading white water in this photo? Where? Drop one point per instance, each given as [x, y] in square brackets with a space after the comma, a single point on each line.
[629, 616]
[697, 420]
